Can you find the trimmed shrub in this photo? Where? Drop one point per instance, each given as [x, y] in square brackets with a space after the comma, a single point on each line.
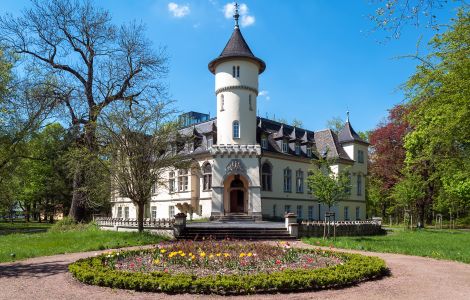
[356, 268]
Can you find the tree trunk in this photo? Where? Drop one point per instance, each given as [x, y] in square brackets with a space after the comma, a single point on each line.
[140, 216]
[421, 214]
[77, 207]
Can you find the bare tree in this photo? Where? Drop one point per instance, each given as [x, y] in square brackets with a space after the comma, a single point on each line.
[93, 62]
[143, 143]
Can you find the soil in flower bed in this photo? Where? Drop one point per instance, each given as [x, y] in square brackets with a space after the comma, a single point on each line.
[211, 257]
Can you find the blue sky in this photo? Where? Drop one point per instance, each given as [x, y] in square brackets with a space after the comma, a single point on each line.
[321, 56]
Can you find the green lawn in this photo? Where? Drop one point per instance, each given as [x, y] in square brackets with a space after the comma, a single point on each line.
[26, 245]
[20, 226]
[441, 244]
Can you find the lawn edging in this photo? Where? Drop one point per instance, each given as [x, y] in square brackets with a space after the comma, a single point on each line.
[357, 268]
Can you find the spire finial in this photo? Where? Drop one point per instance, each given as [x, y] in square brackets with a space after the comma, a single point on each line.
[347, 116]
[236, 15]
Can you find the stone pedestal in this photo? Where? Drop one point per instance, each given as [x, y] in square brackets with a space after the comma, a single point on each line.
[291, 224]
[180, 224]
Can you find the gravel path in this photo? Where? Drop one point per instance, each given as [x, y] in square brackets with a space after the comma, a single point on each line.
[412, 278]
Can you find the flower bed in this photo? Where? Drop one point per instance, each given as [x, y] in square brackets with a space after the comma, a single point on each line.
[226, 268]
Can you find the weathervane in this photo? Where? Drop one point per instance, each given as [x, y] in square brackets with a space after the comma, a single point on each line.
[236, 15]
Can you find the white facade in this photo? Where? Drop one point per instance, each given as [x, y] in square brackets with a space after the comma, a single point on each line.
[250, 165]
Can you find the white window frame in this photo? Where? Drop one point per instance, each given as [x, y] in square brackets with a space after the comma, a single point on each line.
[287, 180]
[126, 212]
[285, 146]
[310, 212]
[171, 182]
[119, 212]
[297, 149]
[171, 211]
[183, 181]
[236, 129]
[153, 212]
[206, 177]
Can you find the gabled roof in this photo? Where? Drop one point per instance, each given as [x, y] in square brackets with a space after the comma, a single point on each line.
[237, 48]
[328, 143]
[347, 134]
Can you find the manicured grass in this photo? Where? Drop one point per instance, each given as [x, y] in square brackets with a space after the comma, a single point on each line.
[26, 245]
[441, 244]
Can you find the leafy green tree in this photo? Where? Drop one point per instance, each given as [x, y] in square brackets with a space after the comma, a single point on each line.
[329, 188]
[438, 147]
[94, 64]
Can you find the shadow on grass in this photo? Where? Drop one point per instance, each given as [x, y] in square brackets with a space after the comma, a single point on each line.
[6, 231]
[34, 270]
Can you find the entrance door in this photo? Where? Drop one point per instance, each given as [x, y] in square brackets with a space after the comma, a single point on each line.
[237, 201]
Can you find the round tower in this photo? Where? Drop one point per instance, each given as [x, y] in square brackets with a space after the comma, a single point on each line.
[236, 73]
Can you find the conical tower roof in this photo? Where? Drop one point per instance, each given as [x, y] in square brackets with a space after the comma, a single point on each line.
[237, 48]
[347, 134]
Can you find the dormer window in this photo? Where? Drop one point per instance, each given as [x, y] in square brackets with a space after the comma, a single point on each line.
[209, 141]
[285, 146]
[297, 149]
[264, 142]
[236, 129]
[309, 151]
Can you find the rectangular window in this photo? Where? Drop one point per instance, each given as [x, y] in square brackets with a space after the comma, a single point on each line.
[310, 212]
[182, 180]
[126, 212]
[359, 185]
[360, 156]
[299, 211]
[299, 181]
[154, 188]
[171, 182]
[171, 211]
[264, 142]
[297, 149]
[287, 180]
[285, 146]
[236, 129]
[274, 210]
[119, 212]
[287, 208]
[153, 210]
[346, 213]
[309, 151]
[200, 210]
[358, 213]
[209, 142]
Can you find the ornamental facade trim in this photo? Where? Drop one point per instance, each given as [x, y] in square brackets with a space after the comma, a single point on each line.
[240, 87]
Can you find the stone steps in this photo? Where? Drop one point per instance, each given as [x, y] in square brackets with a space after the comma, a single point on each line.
[242, 233]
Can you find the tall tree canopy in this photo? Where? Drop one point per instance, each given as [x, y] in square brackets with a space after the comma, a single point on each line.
[87, 63]
[438, 147]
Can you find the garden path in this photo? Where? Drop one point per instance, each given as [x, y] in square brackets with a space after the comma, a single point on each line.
[412, 278]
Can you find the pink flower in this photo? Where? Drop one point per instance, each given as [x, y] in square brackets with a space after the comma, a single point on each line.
[278, 262]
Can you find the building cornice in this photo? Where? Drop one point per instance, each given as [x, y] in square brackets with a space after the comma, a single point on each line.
[234, 87]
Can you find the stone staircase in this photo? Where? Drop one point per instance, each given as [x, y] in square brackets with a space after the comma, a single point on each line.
[247, 232]
[236, 217]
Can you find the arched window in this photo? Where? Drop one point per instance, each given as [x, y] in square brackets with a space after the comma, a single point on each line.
[233, 71]
[287, 180]
[238, 71]
[222, 102]
[236, 129]
[299, 181]
[171, 182]
[266, 177]
[249, 102]
[207, 176]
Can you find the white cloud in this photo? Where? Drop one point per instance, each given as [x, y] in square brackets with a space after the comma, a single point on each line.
[177, 10]
[245, 20]
[264, 94]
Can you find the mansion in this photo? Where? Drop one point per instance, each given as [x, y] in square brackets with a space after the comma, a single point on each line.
[249, 165]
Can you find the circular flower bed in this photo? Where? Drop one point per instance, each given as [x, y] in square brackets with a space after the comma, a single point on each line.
[226, 267]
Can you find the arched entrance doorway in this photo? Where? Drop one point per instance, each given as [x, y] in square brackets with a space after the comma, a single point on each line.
[236, 195]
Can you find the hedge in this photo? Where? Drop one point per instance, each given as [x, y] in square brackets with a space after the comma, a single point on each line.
[356, 268]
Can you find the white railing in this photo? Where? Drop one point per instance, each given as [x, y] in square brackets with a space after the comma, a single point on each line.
[122, 222]
[368, 222]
